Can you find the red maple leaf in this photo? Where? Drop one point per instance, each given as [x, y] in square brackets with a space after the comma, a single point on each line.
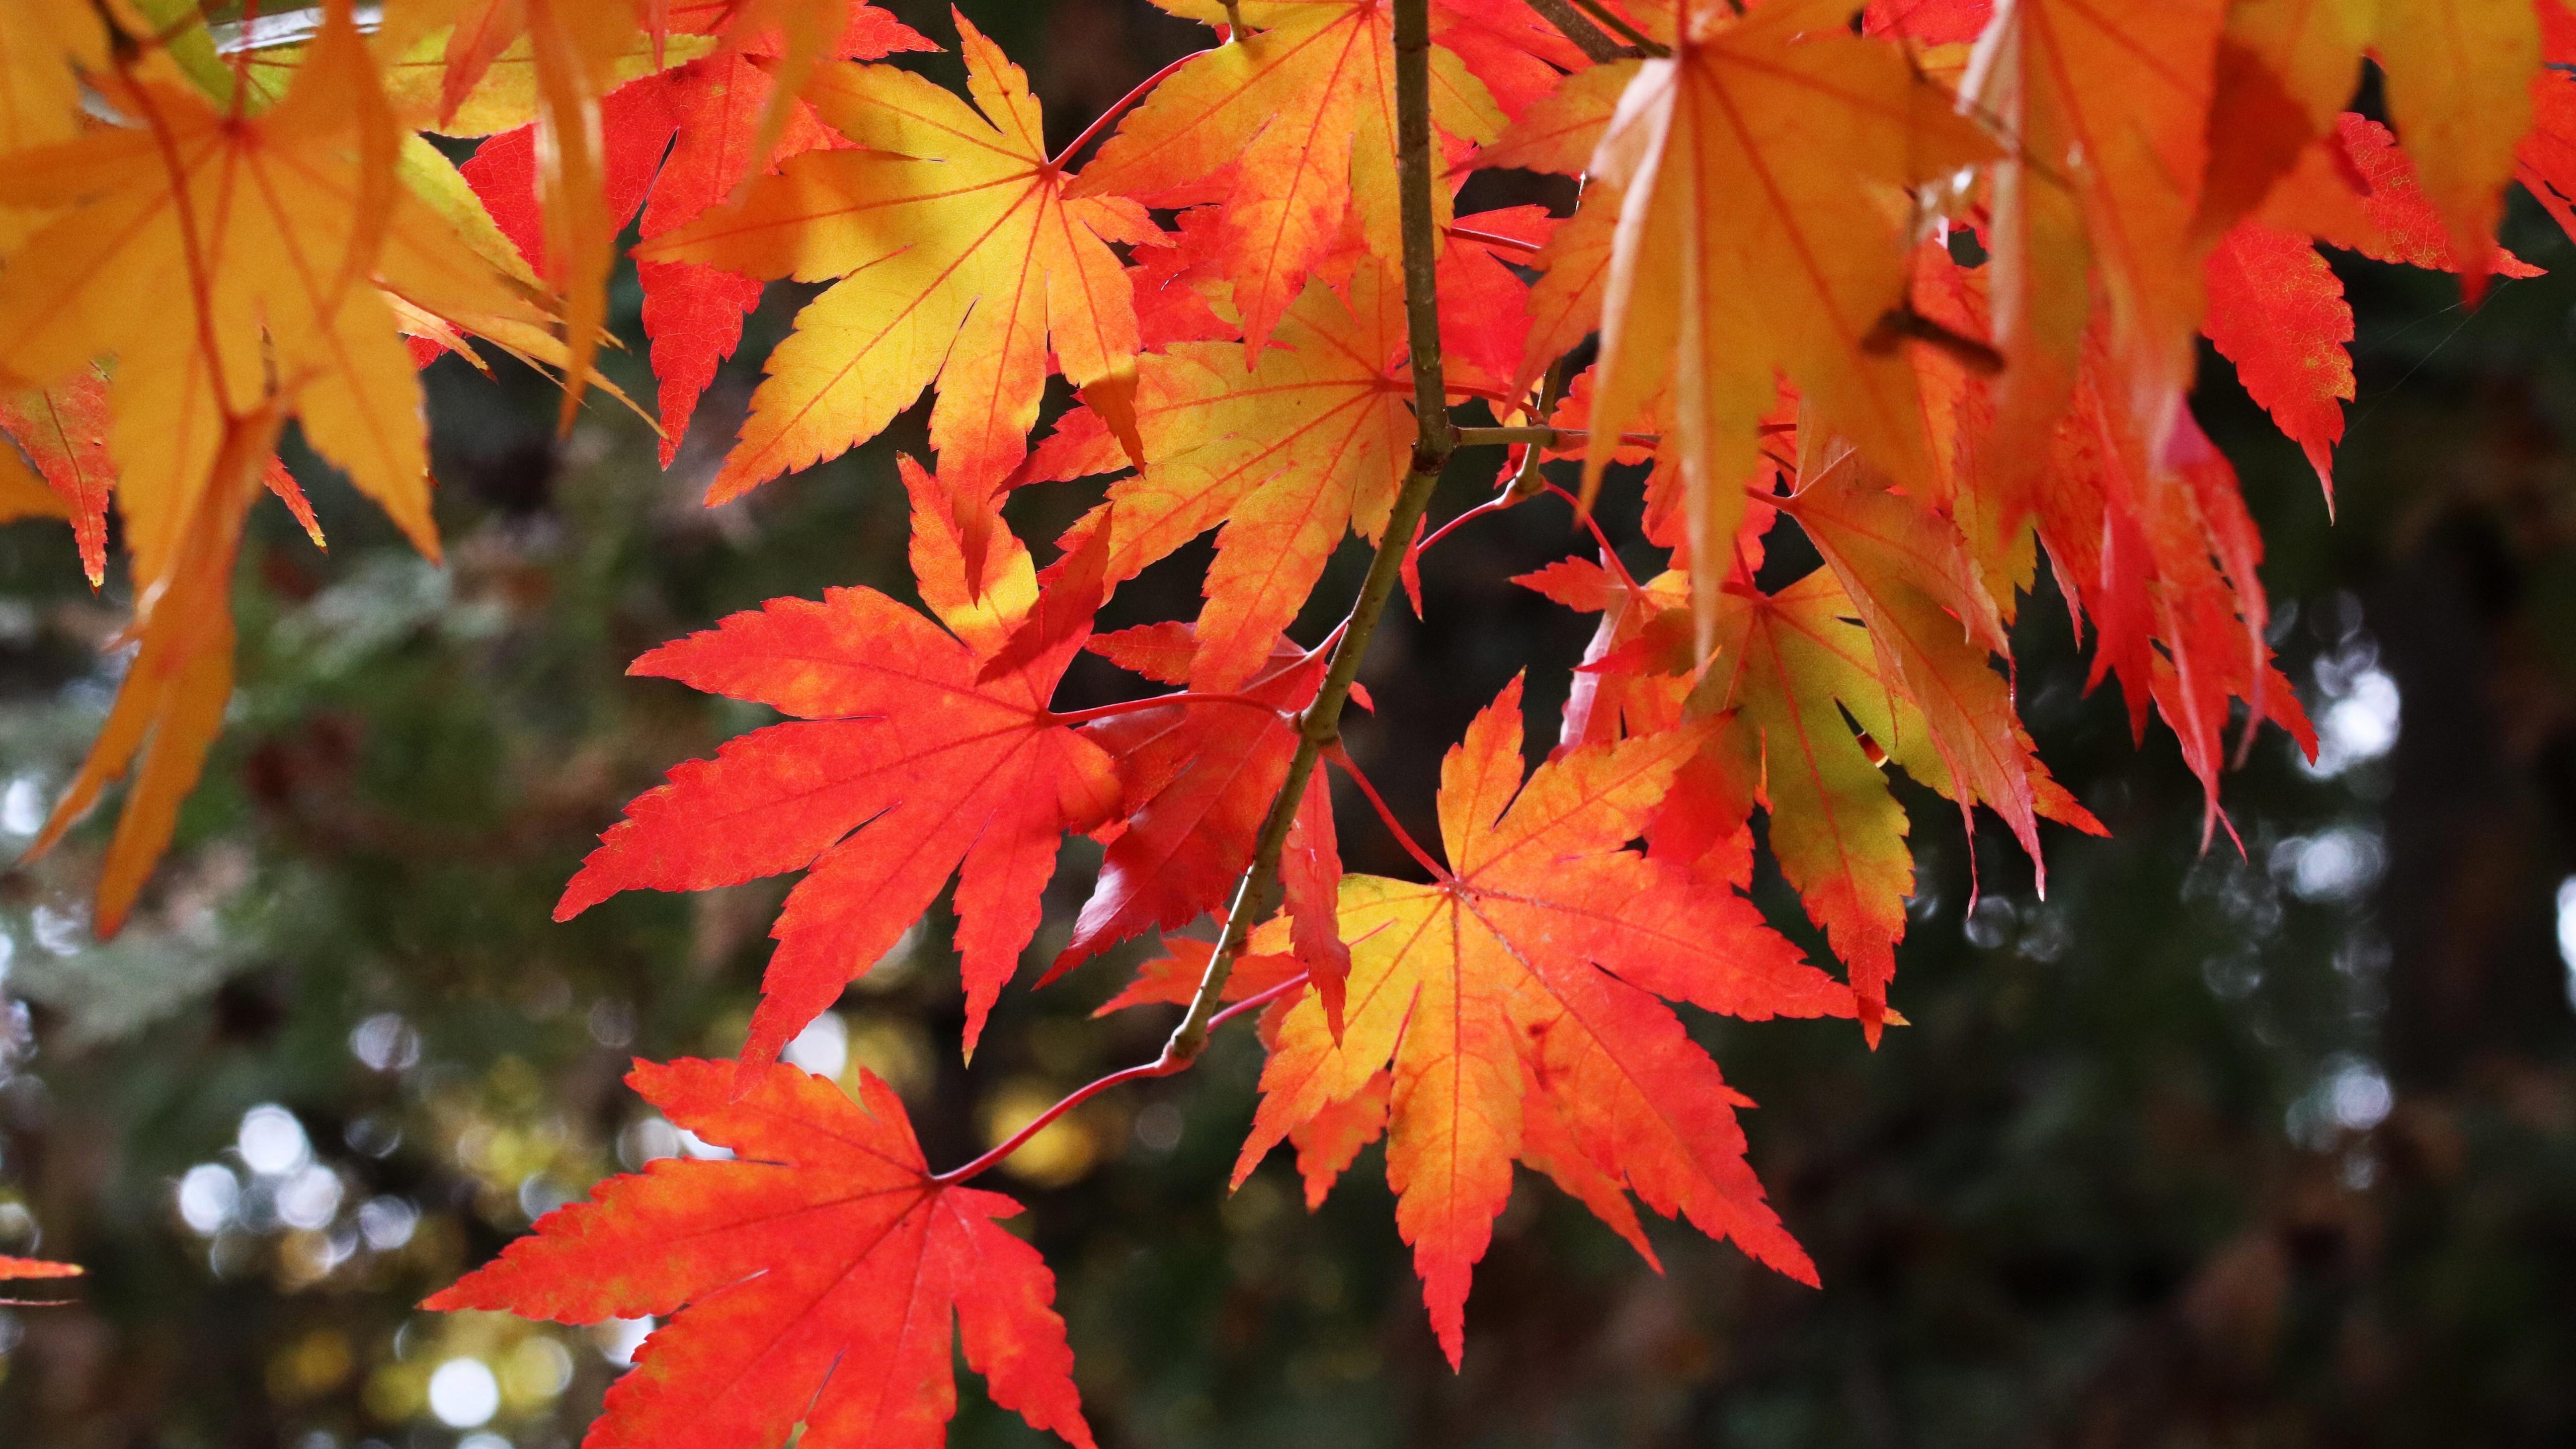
[902, 765]
[813, 1278]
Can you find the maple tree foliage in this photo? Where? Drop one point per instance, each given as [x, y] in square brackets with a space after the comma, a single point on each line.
[1906, 282]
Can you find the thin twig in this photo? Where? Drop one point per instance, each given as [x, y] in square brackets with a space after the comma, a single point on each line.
[1434, 441]
[1551, 391]
[1587, 37]
[1162, 1066]
[1492, 239]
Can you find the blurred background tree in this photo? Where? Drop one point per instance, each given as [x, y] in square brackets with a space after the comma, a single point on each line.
[2265, 1145]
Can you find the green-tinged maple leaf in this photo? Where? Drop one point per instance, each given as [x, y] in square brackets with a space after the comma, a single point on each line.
[1916, 589]
[1301, 113]
[813, 1280]
[959, 256]
[900, 767]
[1531, 968]
[1790, 665]
[1761, 179]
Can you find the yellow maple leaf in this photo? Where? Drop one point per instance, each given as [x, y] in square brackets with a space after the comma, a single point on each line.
[240, 266]
[960, 258]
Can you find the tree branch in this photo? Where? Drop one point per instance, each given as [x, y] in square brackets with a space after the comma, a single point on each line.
[1577, 27]
[1640, 39]
[1434, 441]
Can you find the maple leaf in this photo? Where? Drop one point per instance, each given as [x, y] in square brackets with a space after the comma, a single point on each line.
[2284, 69]
[1759, 178]
[960, 257]
[1312, 443]
[2104, 184]
[2278, 312]
[232, 263]
[575, 47]
[63, 431]
[1531, 967]
[2160, 554]
[2459, 76]
[44, 45]
[899, 768]
[1301, 112]
[1172, 979]
[1790, 665]
[1196, 781]
[2395, 221]
[707, 115]
[813, 1280]
[34, 1268]
[1915, 587]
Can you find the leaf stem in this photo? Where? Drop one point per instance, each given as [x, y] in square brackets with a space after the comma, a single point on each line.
[1575, 26]
[1603, 539]
[1434, 440]
[1159, 701]
[1386, 817]
[1161, 1066]
[1101, 122]
[1495, 504]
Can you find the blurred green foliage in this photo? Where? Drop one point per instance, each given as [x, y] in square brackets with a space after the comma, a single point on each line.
[2271, 1144]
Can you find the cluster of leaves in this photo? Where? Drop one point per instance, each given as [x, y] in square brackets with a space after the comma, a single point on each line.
[1901, 273]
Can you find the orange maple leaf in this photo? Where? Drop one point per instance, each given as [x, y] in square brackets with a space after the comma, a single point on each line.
[901, 766]
[1759, 177]
[1300, 113]
[1309, 445]
[814, 1279]
[2103, 183]
[1531, 969]
[2459, 76]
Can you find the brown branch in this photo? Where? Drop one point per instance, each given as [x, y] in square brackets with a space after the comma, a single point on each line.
[1434, 440]
[1641, 40]
[1589, 38]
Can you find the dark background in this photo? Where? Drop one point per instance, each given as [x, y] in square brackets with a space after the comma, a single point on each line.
[2275, 1148]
